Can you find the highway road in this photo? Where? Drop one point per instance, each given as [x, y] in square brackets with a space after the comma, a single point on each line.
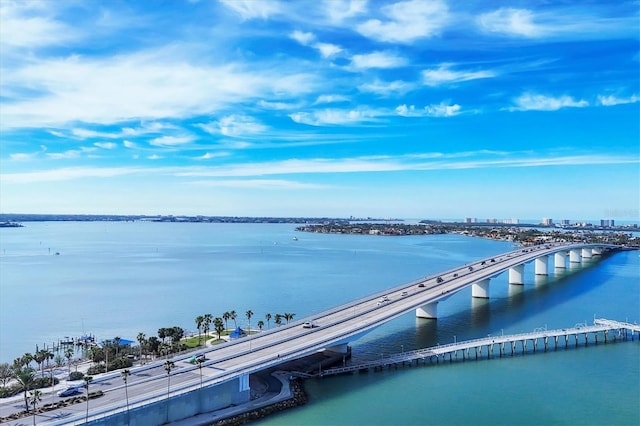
[269, 348]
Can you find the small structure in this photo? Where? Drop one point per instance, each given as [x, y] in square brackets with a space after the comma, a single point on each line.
[237, 333]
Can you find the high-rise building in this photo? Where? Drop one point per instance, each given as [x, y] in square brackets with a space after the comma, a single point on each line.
[565, 222]
[607, 223]
[547, 221]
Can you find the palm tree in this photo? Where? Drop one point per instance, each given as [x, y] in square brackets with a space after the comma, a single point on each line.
[249, 314]
[199, 322]
[208, 319]
[25, 376]
[287, 316]
[233, 316]
[124, 374]
[278, 319]
[68, 353]
[168, 366]
[218, 326]
[226, 317]
[116, 340]
[260, 324]
[35, 396]
[40, 357]
[268, 318]
[87, 380]
[141, 338]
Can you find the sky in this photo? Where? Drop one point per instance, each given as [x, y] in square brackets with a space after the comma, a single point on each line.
[407, 109]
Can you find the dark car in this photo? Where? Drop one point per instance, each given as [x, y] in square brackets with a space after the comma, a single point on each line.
[421, 285]
[72, 390]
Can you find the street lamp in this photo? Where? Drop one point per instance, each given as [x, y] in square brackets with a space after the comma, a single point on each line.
[454, 340]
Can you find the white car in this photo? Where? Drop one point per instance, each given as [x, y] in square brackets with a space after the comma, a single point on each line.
[309, 324]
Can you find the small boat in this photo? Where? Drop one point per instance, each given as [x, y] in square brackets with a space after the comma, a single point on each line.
[295, 238]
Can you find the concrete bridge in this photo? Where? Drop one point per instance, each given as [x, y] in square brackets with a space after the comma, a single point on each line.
[156, 396]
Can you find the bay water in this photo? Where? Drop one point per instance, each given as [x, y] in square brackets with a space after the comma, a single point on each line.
[113, 279]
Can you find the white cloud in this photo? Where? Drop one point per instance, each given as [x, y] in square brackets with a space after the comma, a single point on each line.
[445, 75]
[377, 60]
[329, 117]
[407, 21]
[106, 145]
[129, 144]
[209, 155]
[339, 10]
[537, 102]
[154, 157]
[171, 140]
[511, 21]
[438, 110]
[327, 50]
[386, 88]
[302, 37]
[613, 100]
[23, 156]
[329, 99]
[144, 85]
[235, 126]
[86, 133]
[24, 25]
[249, 9]
[258, 184]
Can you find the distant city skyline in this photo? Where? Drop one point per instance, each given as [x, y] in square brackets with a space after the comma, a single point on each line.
[407, 109]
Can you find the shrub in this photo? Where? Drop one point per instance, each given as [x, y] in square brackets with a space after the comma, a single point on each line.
[76, 375]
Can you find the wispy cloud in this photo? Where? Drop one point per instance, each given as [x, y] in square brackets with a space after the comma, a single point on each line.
[444, 74]
[614, 100]
[171, 140]
[235, 126]
[328, 117]
[436, 110]
[511, 21]
[249, 9]
[407, 21]
[106, 145]
[538, 102]
[377, 60]
[266, 184]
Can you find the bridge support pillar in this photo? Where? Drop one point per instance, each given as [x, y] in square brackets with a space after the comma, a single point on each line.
[596, 251]
[560, 260]
[430, 310]
[481, 289]
[542, 265]
[574, 256]
[516, 275]
[586, 253]
[342, 348]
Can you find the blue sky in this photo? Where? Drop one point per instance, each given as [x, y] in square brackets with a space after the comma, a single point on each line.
[416, 109]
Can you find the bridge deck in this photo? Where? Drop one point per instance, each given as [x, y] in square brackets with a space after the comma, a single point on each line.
[601, 325]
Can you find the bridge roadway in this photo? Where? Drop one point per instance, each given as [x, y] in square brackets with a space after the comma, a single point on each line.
[267, 349]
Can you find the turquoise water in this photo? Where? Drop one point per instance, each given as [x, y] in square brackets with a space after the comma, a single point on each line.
[118, 279]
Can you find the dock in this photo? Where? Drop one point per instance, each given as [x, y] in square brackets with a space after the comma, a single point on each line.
[602, 331]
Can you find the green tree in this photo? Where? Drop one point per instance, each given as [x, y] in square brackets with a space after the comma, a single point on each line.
[218, 325]
[199, 323]
[268, 318]
[116, 341]
[87, 381]
[234, 316]
[249, 314]
[226, 317]
[68, 354]
[6, 373]
[260, 324]
[35, 396]
[25, 376]
[208, 319]
[141, 338]
[278, 319]
[288, 316]
[40, 357]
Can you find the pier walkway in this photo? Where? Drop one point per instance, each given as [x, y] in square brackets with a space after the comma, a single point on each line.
[539, 339]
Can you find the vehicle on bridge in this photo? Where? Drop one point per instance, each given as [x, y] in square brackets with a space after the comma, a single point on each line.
[309, 324]
[71, 390]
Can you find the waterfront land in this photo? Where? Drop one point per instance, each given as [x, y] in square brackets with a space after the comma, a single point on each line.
[522, 235]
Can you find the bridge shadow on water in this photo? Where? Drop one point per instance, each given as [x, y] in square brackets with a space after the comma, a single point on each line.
[473, 318]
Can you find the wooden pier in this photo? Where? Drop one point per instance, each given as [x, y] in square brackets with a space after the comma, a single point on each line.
[602, 331]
